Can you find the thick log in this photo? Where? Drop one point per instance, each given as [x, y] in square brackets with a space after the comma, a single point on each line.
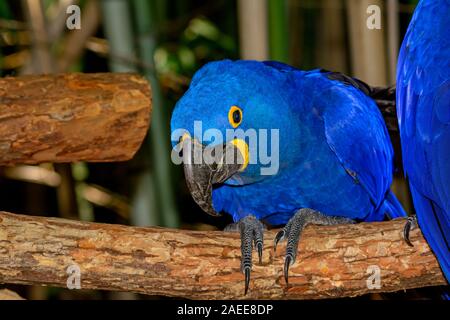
[332, 262]
[72, 117]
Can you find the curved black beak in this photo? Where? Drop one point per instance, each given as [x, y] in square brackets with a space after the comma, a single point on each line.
[205, 166]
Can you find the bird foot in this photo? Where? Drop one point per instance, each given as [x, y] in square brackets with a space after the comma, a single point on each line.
[411, 224]
[252, 232]
[294, 228]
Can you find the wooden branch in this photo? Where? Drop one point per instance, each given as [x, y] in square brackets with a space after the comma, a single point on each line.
[332, 261]
[72, 117]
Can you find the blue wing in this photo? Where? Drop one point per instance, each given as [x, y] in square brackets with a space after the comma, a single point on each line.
[357, 134]
[423, 107]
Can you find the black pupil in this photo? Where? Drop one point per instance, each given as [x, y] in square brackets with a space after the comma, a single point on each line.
[236, 116]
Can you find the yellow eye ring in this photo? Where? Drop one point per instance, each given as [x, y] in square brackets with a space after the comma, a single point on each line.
[235, 116]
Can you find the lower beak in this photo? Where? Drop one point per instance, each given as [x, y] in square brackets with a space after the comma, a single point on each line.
[205, 166]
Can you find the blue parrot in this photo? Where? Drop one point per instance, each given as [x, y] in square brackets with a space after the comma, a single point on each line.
[423, 109]
[335, 159]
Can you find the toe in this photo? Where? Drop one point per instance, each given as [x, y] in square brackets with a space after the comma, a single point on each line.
[278, 238]
[247, 279]
[287, 263]
[260, 251]
[252, 232]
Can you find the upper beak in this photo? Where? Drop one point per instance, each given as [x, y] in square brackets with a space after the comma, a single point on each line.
[205, 166]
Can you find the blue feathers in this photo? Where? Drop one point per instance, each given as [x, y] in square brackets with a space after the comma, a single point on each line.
[335, 155]
[423, 102]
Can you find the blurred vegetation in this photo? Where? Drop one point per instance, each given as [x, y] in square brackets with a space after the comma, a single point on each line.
[166, 41]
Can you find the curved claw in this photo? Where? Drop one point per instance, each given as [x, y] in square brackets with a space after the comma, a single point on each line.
[260, 251]
[277, 239]
[287, 263]
[247, 279]
[406, 230]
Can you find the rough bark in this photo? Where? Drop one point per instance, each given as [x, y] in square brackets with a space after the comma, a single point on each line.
[72, 117]
[332, 261]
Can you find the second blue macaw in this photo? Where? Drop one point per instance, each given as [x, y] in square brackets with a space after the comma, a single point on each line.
[423, 108]
[335, 155]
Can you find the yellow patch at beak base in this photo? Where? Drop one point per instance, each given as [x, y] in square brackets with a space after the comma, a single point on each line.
[242, 146]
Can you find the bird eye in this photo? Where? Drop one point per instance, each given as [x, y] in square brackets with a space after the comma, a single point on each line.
[235, 116]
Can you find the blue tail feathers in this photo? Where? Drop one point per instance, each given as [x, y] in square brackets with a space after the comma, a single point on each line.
[436, 231]
[392, 207]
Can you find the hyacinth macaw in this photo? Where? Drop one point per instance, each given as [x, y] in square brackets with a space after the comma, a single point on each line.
[423, 109]
[335, 156]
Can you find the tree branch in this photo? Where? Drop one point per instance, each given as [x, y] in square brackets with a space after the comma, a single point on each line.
[72, 117]
[332, 261]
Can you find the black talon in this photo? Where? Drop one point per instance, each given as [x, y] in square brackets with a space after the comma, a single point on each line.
[287, 263]
[293, 229]
[406, 230]
[409, 225]
[247, 279]
[277, 239]
[260, 251]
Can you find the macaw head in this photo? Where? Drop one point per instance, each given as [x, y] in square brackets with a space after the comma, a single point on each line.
[229, 123]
